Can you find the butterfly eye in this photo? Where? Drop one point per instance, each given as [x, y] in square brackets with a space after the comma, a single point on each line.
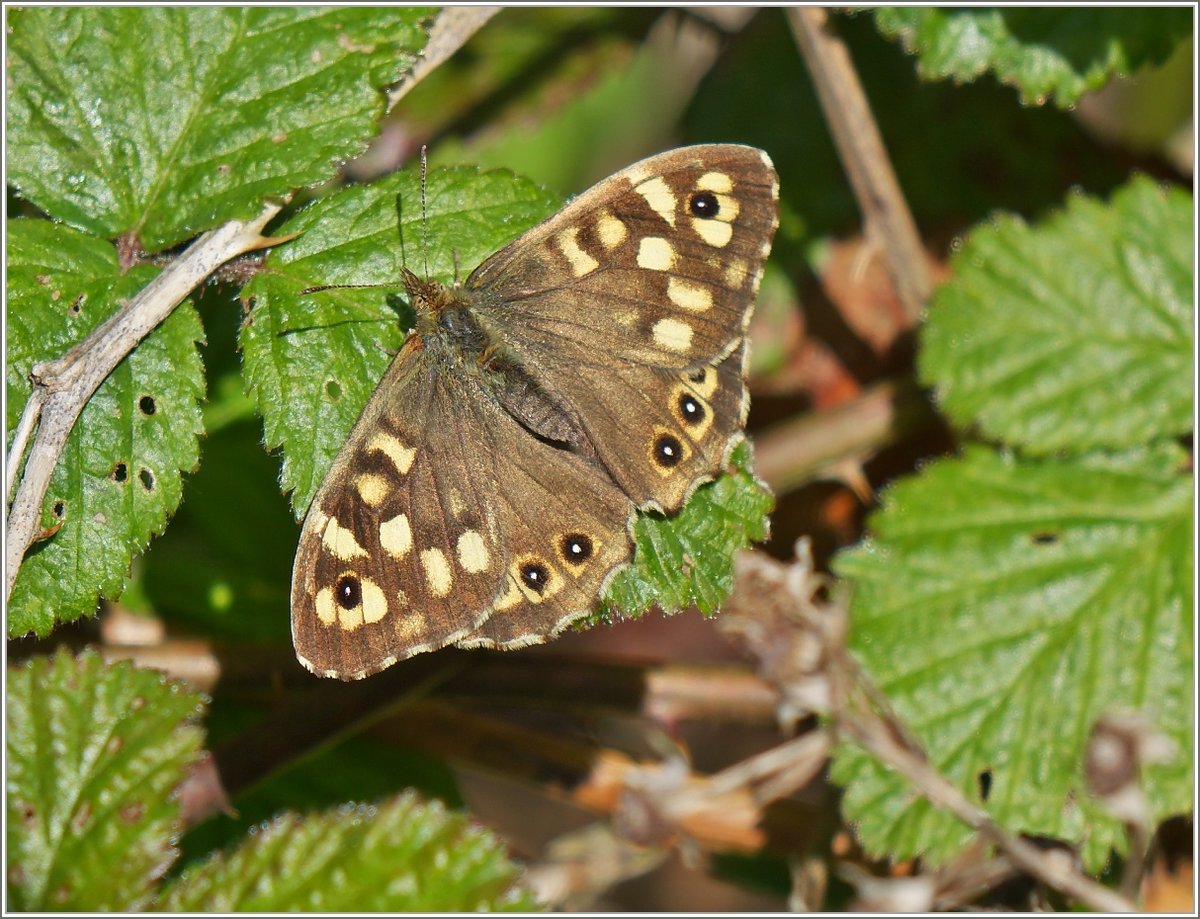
[691, 410]
[668, 451]
[704, 204]
[349, 592]
[536, 576]
[576, 548]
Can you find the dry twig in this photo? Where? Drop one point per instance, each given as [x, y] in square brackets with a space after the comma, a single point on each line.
[62, 387]
[885, 212]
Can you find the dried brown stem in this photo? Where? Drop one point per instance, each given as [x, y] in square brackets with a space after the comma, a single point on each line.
[885, 213]
[799, 450]
[877, 739]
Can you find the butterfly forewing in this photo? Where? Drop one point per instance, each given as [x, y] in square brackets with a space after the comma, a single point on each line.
[658, 264]
[591, 368]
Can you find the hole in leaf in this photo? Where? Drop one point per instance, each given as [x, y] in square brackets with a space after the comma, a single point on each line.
[147, 479]
[60, 509]
[133, 812]
[333, 389]
[1044, 538]
[147, 406]
[120, 472]
[985, 784]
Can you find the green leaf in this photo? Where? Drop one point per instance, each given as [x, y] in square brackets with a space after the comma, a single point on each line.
[398, 856]
[1003, 605]
[94, 755]
[167, 121]
[119, 476]
[687, 560]
[369, 767]
[313, 361]
[224, 565]
[1060, 53]
[1074, 334]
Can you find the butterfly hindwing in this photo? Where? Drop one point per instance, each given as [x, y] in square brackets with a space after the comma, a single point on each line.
[590, 369]
[433, 519]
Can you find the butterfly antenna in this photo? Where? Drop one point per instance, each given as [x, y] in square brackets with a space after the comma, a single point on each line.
[313, 290]
[424, 211]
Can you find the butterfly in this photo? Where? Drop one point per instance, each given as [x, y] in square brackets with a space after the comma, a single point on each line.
[592, 368]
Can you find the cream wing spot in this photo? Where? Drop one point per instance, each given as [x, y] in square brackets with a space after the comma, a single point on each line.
[689, 296]
[735, 273]
[371, 488]
[454, 501]
[395, 536]
[394, 449]
[438, 575]
[350, 619]
[610, 230]
[509, 597]
[374, 603]
[326, 611]
[703, 381]
[715, 181]
[659, 196]
[568, 244]
[341, 542]
[412, 625]
[473, 553]
[727, 208]
[673, 334]
[655, 254]
[714, 232]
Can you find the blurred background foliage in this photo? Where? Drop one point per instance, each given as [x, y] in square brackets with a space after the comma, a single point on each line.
[565, 97]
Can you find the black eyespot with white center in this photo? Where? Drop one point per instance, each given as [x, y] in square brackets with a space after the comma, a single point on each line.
[576, 548]
[690, 408]
[668, 451]
[704, 204]
[349, 592]
[535, 576]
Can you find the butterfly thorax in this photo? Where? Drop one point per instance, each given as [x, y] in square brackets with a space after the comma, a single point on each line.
[458, 340]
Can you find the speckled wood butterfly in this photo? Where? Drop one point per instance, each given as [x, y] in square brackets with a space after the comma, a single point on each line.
[589, 369]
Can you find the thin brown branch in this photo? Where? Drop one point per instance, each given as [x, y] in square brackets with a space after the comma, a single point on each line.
[25, 428]
[799, 450]
[62, 387]
[943, 794]
[885, 212]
